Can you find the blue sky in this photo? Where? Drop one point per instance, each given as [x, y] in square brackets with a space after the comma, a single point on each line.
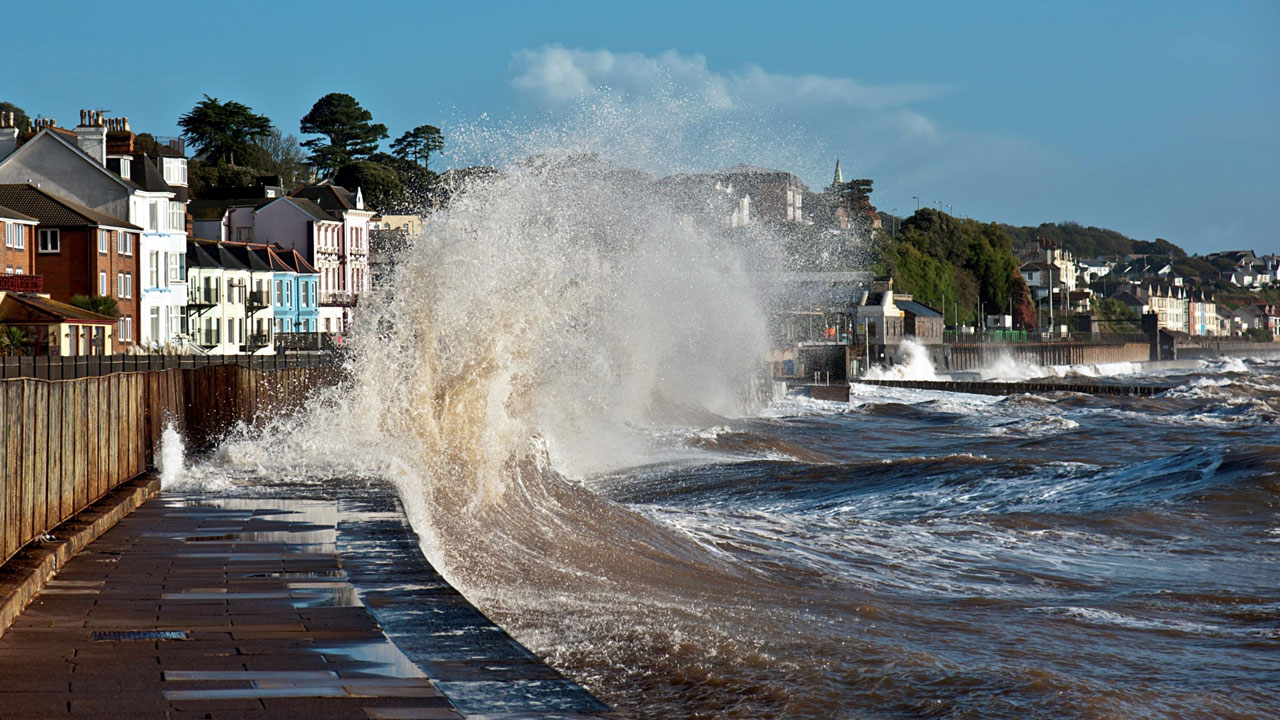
[1158, 119]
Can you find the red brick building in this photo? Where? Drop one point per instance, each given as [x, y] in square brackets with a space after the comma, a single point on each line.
[16, 257]
[79, 251]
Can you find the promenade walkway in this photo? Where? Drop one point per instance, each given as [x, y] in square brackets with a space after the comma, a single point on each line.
[216, 608]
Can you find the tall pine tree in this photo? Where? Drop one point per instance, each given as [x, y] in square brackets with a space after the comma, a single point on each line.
[348, 130]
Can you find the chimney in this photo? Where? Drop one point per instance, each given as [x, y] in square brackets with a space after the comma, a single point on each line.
[119, 138]
[8, 135]
[92, 137]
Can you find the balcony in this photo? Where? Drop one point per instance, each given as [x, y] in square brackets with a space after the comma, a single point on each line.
[302, 341]
[337, 299]
[22, 283]
[258, 299]
[208, 338]
[202, 297]
[255, 342]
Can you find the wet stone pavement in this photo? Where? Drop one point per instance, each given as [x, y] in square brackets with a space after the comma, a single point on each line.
[267, 608]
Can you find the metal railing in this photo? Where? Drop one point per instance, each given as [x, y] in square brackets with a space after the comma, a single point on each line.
[70, 367]
[338, 299]
[202, 296]
[258, 299]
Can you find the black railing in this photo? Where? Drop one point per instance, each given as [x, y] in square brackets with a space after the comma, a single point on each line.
[303, 341]
[66, 368]
[338, 299]
[202, 296]
[258, 299]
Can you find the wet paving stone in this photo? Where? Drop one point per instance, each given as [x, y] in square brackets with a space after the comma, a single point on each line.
[243, 608]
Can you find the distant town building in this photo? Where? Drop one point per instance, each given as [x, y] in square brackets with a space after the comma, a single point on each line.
[775, 195]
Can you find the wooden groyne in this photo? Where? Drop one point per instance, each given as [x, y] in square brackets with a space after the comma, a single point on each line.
[1016, 388]
[66, 443]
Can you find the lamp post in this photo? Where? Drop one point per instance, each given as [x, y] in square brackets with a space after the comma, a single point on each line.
[917, 199]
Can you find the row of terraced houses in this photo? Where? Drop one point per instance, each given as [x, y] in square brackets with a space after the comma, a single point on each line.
[91, 211]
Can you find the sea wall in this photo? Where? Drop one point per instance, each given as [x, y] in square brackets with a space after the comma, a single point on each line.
[975, 356]
[66, 443]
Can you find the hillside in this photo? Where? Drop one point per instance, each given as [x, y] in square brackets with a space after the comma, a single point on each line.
[1091, 242]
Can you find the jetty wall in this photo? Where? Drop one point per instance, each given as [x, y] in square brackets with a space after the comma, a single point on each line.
[64, 444]
[979, 355]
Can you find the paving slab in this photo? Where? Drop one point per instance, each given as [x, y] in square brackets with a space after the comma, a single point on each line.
[210, 607]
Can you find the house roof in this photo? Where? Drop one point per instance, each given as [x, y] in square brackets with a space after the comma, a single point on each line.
[213, 209]
[312, 210]
[51, 210]
[254, 258]
[916, 308]
[212, 254]
[7, 214]
[69, 144]
[296, 262]
[150, 178]
[19, 309]
[333, 198]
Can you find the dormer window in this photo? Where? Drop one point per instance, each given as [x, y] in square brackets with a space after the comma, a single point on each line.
[175, 170]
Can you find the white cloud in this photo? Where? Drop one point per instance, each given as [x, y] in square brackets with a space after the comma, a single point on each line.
[671, 111]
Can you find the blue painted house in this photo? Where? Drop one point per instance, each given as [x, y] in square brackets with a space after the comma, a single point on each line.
[297, 297]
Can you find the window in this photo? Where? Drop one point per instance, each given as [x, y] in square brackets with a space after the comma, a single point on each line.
[126, 328]
[50, 241]
[154, 271]
[155, 216]
[244, 234]
[102, 282]
[177, 267]
[177, 217]
[155, 325]
[16, 236]
[288, 294]
[279, 294]
[120, 284]
[104, 241]
[176, 324]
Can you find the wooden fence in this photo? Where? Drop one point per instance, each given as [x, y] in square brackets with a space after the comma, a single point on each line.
[66, 443]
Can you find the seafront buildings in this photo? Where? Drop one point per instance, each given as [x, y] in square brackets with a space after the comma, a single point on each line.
[100, 213]
[100, 217]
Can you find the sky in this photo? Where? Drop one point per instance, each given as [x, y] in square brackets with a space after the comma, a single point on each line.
[1157, 119]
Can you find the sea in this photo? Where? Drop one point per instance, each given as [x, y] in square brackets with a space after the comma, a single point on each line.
[553, 388]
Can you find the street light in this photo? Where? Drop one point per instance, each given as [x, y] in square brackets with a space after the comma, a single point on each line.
[917, 199]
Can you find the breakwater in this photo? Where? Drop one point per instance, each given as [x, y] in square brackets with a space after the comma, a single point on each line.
[1017, 388]
[64, 444]
[961, 356]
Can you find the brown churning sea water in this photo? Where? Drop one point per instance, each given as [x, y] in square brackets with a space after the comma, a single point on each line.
[549, 382]
[910, 554]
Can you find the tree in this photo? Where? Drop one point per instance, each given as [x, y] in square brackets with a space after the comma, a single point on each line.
[420, 184]
[100, 304]
[348, 130]
[379, 183]
[281, 155]
[13, 341]
[20, 119]
[220, 131]
[418, 144]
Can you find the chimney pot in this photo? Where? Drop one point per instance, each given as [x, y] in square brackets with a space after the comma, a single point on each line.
[126, 124]
[84, 116]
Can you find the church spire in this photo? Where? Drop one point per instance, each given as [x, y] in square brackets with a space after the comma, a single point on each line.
[839, 178]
